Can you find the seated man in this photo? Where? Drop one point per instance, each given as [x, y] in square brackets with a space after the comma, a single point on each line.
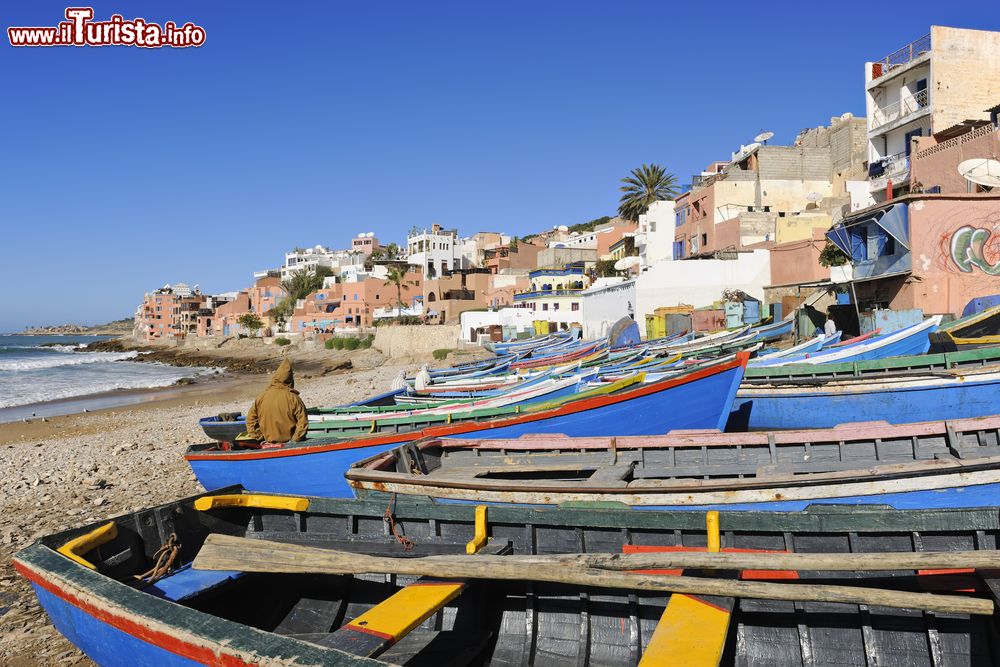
[278, 414]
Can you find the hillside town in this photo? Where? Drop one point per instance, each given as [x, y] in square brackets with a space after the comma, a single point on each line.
[860, 215]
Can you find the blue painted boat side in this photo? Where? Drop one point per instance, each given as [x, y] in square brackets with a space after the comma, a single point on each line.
[824, 409]
[700, 404]
[315, 474]
[106, 645]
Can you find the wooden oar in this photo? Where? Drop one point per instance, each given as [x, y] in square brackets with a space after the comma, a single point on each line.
[225, 552]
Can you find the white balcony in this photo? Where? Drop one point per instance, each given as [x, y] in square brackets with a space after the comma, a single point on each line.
[907, 105]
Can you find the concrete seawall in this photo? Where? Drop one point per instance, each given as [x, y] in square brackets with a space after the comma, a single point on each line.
[407, 341]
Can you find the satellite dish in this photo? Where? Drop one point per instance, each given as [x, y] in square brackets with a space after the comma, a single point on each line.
[370, 234]
[814, 197]
[563, 228]
[626, 263]
[763, 137]
[361, 235]
[574, 233]
[981, 171]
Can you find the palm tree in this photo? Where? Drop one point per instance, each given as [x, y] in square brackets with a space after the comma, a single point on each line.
[642, 187]
[397, 276]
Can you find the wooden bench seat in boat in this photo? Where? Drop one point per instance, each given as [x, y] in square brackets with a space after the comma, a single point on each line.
[186, 583]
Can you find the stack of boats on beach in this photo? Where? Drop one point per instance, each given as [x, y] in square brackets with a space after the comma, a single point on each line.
[730, 498]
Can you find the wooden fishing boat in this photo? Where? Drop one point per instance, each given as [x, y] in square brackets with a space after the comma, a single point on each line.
[909, 340]
[978, 330]
[557, 595]
[916, 466]
[896, 399]
[700, 397]
[774, 330]
[875, 368]
[811, 345]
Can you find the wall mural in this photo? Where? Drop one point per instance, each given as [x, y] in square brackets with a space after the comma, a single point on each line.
[968, 250]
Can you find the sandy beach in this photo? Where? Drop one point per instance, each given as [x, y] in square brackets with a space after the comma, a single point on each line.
[76, 469]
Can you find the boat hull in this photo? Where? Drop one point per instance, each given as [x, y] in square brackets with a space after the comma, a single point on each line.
[896, 402]
[950, 491]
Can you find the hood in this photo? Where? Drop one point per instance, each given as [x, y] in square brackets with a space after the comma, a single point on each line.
[284, 375]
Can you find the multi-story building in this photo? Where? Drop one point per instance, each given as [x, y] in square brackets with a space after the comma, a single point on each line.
[264, 295]
[739, 208]
[934, 161]
[556, 295]
[439, 250]
[929, 87]
[208, 324]
[455, 293]
[519, 256]
[654, 237]
[365, 243]
[349, 306]
[155, 317]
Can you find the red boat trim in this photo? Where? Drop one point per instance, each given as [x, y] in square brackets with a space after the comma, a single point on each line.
[468, 427]
[163, 640]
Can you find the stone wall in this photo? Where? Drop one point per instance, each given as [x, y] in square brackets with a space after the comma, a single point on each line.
[408, 341]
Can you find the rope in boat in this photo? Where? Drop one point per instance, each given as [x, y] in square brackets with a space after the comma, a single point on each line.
[163, 562]
[390, 520]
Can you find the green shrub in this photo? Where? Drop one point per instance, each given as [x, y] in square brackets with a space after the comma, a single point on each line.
[367, 341]
[441, 353]
[338, 343]
[281, 340]
[328, 343]
[351, 343]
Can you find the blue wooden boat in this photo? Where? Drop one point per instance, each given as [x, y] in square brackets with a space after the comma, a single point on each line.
[94, 583]
[914, 466]
[898, 398]
[700, 397]
[910, 340]
[773, 331]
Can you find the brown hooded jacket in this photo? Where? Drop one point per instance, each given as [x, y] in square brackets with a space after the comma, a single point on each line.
[278, 414]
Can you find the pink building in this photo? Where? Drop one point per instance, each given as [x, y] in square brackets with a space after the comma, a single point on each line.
[935, 252]
[228, 314]
[156, 315]
[934, 162]
[265, 295]
[366, 244]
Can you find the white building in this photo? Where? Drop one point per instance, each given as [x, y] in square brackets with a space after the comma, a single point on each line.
[700, 282]
[604, 303]
[655, 236]
[439, 250]
[556, 295]
[929, 86]
[309, 259]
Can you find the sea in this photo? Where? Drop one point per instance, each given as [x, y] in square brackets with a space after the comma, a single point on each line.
[42, 369]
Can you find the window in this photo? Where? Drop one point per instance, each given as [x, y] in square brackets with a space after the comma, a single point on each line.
[908, 136]
[355, 296]
[704, 240]
[545, 306]
[574, 306]
[555, 306]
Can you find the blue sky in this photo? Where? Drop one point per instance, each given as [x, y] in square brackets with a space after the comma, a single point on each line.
[307, 122]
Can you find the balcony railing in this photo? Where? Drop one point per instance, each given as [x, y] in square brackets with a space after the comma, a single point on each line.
[459, 295]
[904, 107]
[903, 56]
[546, 293]
[892, 167]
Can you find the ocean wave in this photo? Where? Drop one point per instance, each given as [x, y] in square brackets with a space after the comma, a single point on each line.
[56, 361]
[147, 376]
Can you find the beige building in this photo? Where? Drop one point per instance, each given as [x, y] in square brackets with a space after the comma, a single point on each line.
[929, 87]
